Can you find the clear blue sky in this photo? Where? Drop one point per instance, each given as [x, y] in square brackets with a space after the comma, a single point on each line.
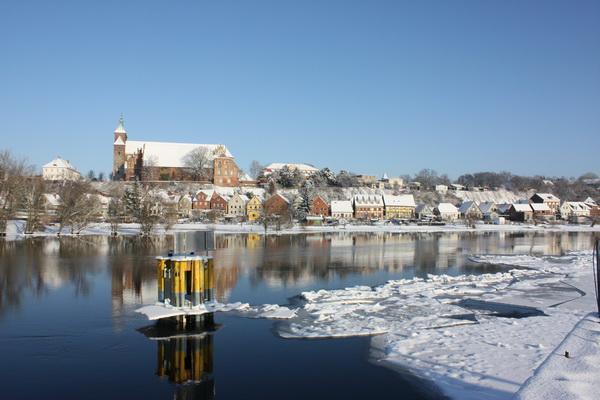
[369, 86]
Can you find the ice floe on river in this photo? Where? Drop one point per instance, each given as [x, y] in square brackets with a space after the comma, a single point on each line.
[271, 311]
[475, 336]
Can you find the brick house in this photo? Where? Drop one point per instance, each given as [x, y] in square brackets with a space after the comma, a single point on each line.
[202, 200]
[218, 202]
[319, 207]
[277, 205]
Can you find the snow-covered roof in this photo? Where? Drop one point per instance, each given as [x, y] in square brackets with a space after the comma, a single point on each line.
[466, 206]
[405, 200]
[368, 200]
[207, 192]
[341, 206]
[385, 177]
[486, 207]
[167, 154]
[540, 207]
[589, 200]
[447, 208]
[577, 205]
[59, 163]
[548, 197]
[304, 168]
[522, 207]
[242, 197]
[279, 195]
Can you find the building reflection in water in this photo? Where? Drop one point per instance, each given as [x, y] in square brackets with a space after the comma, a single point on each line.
[184, 356]
[32, 268]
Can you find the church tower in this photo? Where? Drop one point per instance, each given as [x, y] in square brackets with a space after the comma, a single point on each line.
[119, 156]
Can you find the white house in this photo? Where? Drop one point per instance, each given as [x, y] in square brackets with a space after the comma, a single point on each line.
[442, 189]
[236, 206]
[447, 212]
[341, 209]
[60, 170]
[570, 209]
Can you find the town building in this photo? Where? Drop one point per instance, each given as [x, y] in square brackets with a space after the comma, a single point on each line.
[366, 180]
[342, 209]
[254, 209]
[424, 211]
[469, 209]
[489, 210]
[60, 170]
[547, 198]
[368, 206]
[442, 189]
[218, 202]
[154, 161]
[520, 212]
[542, 211]
[184, 206]
[276, 205]
[319, 207]
[447, 212]
[237, 205]
[305, 169]
[202, 200]
[402, 206]
[570, 209]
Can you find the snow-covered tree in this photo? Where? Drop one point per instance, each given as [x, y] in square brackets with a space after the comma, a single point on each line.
[197, 163]
[132, 200]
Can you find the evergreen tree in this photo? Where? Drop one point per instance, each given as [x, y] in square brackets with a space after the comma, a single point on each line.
[132, 201]
[305, 194]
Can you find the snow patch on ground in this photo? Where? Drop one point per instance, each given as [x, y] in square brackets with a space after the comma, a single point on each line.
[575, 377]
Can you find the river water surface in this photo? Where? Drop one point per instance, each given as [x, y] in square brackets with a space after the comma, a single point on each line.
[68, 327]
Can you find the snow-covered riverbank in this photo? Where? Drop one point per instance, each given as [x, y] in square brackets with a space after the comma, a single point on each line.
[15, 229]
[474, 336]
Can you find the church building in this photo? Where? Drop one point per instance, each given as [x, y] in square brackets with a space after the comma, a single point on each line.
[165, 161]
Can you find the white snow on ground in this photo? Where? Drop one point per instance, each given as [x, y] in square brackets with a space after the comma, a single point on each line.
[464, 348]
[575, 377]
[271, 311]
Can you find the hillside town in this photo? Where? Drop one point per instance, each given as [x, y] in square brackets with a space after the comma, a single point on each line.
[168, 183]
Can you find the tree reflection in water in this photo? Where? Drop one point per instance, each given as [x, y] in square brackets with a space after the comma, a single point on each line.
[32, 267]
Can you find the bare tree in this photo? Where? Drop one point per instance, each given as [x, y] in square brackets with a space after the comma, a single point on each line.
[197, 163]
[256, 169]
[78, 207]
[169, 215]
[33, 203]
[12, 183]
[147, 216]
[116, 211]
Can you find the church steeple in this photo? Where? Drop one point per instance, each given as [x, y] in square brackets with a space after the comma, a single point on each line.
[119, 156]
[120, 131]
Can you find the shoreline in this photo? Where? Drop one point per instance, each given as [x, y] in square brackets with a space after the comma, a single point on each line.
[132, 229]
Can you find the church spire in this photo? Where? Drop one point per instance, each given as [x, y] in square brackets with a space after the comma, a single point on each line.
[121, 126]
